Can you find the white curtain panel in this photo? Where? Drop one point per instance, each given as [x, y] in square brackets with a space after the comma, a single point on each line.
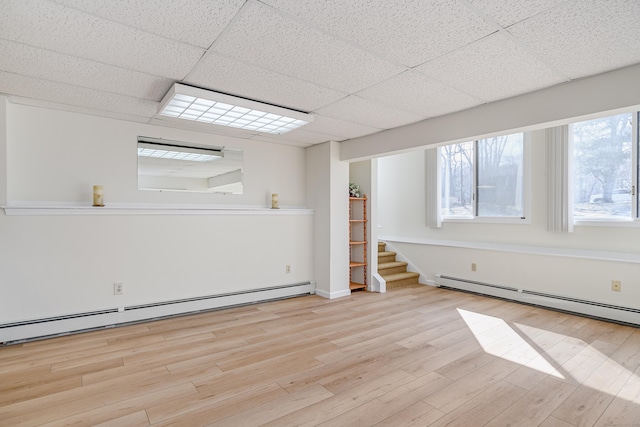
[432, 188]
[560, 209]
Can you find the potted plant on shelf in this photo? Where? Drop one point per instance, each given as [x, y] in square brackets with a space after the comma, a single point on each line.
[354, 190]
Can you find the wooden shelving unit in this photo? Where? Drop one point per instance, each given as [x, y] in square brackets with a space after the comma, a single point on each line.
[357, 242]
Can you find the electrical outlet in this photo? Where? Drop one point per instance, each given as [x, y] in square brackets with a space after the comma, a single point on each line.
[616, 285]
[287, 269]
[118, 288]
[473, 266]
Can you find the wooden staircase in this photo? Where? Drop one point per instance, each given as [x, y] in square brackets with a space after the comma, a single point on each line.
[394, 272]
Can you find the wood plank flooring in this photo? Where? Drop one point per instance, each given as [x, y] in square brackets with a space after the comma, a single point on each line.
[416, 356]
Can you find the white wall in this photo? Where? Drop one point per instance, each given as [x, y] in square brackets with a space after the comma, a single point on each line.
[53, 265]
[58, 156]
[574, 264]
[3, 151]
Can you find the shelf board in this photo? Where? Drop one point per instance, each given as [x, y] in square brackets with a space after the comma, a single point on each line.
[354, 286]
[49, 210]
[358, 240]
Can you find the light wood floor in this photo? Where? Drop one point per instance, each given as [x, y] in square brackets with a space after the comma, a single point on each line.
[415, 356]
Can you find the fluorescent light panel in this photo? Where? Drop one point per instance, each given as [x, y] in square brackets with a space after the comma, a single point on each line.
[205, 106]
[176, 152]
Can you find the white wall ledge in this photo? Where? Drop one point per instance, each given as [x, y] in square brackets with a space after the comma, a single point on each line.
[529, 250]
[49, 210]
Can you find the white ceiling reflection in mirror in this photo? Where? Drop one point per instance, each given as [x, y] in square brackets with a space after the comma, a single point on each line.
[166, 165]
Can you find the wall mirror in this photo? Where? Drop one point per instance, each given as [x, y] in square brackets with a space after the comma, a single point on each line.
[166, 165]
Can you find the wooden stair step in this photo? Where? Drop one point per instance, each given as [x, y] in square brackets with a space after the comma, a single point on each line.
[387, 268]
[386, 256]
[400, 276]
[391, 264]
[398, 280]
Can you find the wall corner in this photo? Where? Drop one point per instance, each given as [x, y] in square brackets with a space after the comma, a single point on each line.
[3, 152]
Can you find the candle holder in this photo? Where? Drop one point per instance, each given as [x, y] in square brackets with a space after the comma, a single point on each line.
[98, 196]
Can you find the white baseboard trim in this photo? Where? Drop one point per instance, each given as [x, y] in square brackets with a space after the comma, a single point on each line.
[12, 333]
[626, 315]
[333, 295]
[379, 284]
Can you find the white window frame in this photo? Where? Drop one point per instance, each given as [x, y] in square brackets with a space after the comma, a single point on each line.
[526, 188]
[633, 220]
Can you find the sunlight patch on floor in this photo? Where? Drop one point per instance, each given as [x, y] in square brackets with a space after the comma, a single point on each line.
[541, 349]
[499, 339]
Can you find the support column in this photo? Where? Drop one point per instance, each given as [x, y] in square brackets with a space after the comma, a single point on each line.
[328, 195]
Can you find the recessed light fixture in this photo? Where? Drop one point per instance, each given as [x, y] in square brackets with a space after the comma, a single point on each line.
[206, 106]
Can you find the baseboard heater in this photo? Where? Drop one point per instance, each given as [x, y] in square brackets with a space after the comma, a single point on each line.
[18, 332]
[620, 314]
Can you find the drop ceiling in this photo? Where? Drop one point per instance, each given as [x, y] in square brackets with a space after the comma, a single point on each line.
[359, 66]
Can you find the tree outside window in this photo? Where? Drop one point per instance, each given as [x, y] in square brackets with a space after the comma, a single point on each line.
[499, 189]
[483, 178]
[457, 179]
[602, 167]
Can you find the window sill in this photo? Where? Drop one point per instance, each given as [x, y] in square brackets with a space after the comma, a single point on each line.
[606, 223]
[486, 220]
[625, 257]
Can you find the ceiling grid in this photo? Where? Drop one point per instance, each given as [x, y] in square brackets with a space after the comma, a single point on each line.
[359, 66]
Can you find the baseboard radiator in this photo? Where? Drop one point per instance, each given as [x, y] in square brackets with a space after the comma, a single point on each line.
[625, 315]
[18, 332]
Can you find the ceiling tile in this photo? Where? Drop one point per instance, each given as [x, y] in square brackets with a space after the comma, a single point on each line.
[44, 64]
[197, 22]
[343, 129]
[264, 38]
[491, 69]
[298, 137]
[370, 113]
[507, 13]
[81, 110]
[62, 29]
[61, 93]
[220, 73]
[408, 32]
[281, 141]
[585, 37]
[419, 94]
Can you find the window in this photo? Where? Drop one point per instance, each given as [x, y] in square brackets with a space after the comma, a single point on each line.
[483, 178]
[604, 156]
